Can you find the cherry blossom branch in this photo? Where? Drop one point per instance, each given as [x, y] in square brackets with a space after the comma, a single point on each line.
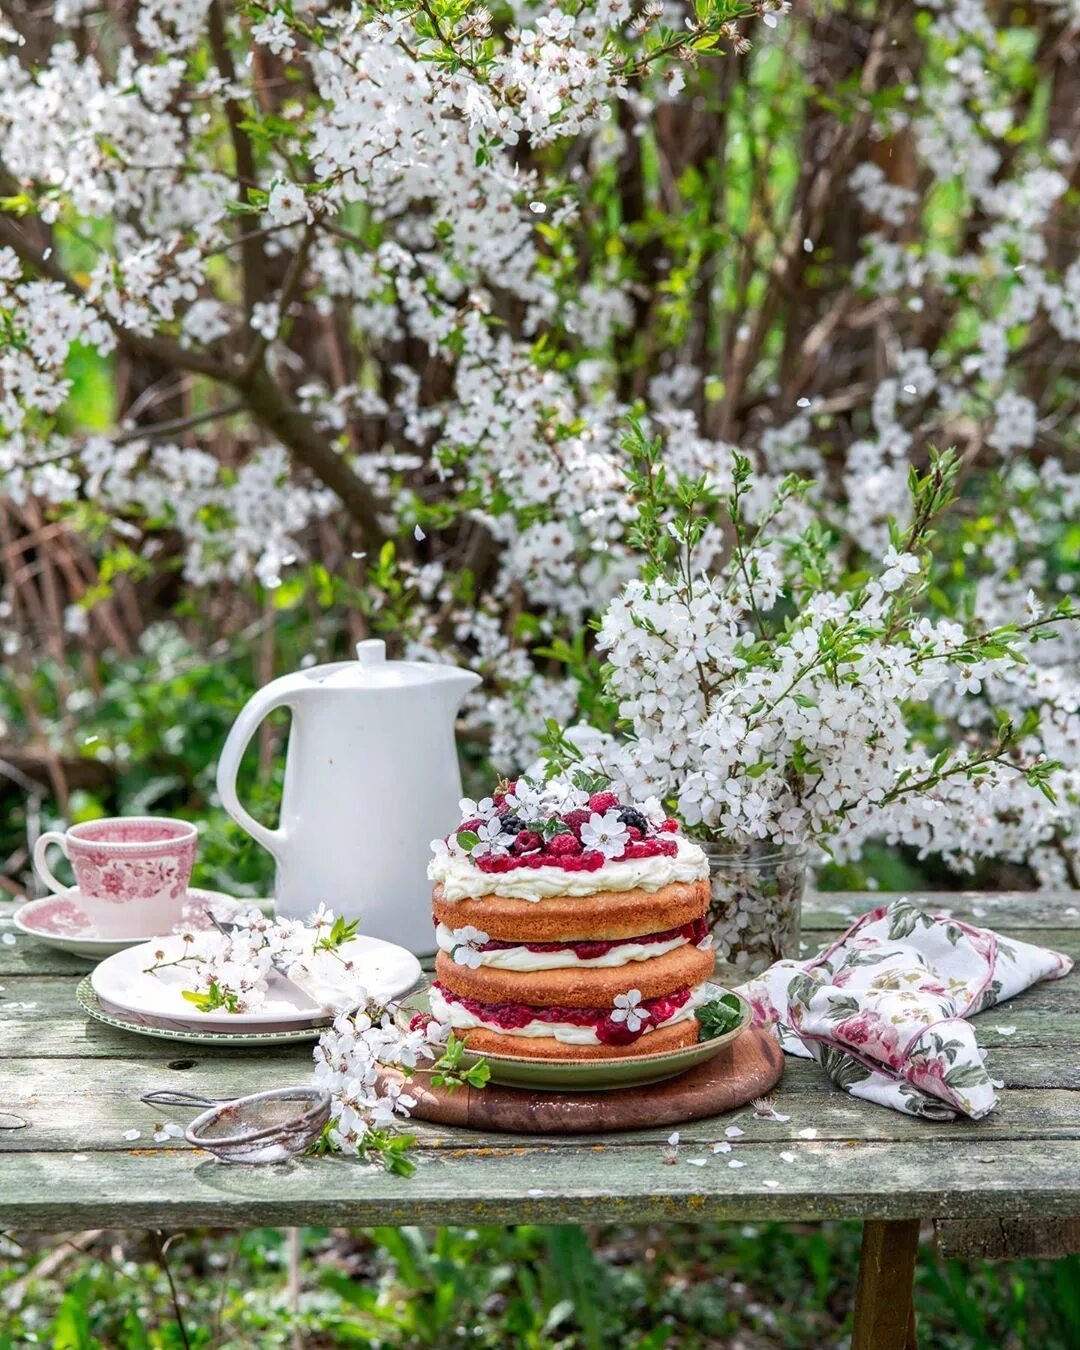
[252, 254]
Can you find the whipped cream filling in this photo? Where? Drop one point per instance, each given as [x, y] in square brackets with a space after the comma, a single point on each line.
[460, 880]
[456, 1015]
[521, 958]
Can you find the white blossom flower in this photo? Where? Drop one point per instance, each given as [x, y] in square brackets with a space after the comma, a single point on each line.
[628, 1009]
[607, 834]
[466, 944]
[287, 204]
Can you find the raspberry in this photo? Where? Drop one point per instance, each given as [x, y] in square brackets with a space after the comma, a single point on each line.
[563, 846]
[603, 801]
[633, 833]
[644, 848]
[473, 825]
[575, 819]
[586, 862]
[526, 841]
[670, 825]
[502, 862]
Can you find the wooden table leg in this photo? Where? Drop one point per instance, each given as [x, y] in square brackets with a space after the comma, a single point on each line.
[884, 1307]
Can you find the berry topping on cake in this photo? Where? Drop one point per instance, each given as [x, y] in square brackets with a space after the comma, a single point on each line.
[575, 821]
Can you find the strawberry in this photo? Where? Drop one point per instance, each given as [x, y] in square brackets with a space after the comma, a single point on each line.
[603, 801]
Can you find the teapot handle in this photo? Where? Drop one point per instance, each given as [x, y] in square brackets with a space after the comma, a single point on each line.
[277, 694]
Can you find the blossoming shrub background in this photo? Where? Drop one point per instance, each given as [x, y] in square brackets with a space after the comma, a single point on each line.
[327, 320]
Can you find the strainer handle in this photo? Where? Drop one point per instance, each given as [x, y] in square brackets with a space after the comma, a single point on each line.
[177, 1097]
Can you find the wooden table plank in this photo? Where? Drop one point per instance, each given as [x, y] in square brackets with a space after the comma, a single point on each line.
[72, 1104]
[1000, 910]
[944, 1179]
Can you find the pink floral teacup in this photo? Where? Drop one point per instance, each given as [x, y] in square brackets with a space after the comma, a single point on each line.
[132, 871]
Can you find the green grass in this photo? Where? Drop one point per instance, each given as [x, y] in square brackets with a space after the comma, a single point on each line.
[750, 1286]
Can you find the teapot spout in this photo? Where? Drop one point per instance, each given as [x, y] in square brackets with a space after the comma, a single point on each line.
[455, 682]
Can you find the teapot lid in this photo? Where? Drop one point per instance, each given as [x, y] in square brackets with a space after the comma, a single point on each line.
[371, 670]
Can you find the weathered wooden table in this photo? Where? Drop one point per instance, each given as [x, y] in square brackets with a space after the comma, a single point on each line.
[1007, 1185]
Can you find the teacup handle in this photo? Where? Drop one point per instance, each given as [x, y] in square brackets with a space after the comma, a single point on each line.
[41, 867]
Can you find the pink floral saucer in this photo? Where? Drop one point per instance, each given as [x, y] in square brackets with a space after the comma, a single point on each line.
[59, 921]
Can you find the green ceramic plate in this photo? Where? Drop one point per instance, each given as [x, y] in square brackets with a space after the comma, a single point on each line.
[594, 1075]
[89, 1003]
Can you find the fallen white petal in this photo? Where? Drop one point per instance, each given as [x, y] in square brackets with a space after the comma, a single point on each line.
[808, 1134]
[79, 1157]
[1005, 1031]
[673, 1139]
[696, 1162]
[131, 1135]
[733, 1132]
[787, 1157]
[534, 1190]
[772, 1185]
[735, 1162]
[722, 1147]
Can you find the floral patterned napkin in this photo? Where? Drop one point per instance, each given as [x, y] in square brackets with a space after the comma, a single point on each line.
[882, 1010]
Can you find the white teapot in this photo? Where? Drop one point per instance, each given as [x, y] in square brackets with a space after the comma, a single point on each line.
[371, 777]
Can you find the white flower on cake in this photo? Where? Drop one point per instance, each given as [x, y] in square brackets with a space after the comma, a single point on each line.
[627, 1010]
[467, 941]
[607, 834]
[485, 808]
[490, 839]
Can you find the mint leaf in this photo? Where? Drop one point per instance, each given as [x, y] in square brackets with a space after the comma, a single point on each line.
[719, 1016]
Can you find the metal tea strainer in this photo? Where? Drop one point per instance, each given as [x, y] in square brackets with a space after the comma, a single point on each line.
[266, 1127]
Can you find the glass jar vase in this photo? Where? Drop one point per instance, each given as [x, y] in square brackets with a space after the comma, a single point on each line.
[755, 915]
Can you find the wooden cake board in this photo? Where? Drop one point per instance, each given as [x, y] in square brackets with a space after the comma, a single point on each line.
[746, 1068]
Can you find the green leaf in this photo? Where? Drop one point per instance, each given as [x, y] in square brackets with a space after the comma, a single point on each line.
[719, 1016]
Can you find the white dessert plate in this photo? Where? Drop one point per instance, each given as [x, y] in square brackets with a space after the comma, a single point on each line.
[125, 988]
[60, 922]
[596, 1075]
[235, 1040]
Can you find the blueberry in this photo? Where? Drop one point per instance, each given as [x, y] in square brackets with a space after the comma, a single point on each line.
[629, 816]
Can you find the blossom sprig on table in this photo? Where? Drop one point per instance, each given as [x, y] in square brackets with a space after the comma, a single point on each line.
[365, 1106]
[768, 699]
[231, 965]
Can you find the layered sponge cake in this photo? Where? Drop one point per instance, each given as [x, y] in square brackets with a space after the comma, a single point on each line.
[569, 924]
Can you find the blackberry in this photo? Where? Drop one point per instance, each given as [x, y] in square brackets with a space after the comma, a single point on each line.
[511, 824]
[629, 816]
